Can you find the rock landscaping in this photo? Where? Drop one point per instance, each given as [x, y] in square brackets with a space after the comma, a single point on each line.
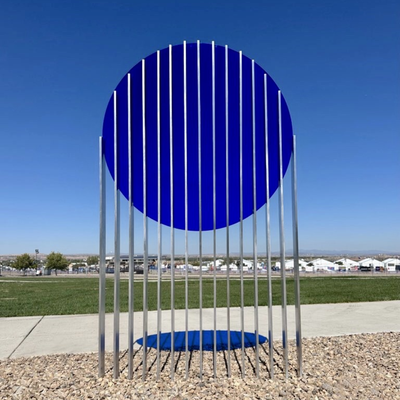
[363, 366]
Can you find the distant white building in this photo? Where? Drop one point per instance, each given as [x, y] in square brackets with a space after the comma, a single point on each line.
[320, 264]
[289, 264]
[346, 264]
[390, 264]
[371, 263]
[248, 263]
[232, 267]
[218, 263]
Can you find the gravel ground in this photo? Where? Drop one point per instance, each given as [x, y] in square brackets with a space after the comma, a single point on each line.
[347, 367]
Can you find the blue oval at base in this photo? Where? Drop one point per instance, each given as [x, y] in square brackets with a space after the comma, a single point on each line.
[208, 340]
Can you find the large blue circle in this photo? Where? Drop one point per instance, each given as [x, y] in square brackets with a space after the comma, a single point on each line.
[207, 214]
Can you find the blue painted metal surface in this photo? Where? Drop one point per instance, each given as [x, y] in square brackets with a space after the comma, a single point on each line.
[206, 136]
[208, 340]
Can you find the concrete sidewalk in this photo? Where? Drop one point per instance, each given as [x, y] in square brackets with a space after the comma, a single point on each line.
[33, 336]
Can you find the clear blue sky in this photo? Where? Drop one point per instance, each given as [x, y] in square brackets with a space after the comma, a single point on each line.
[337, 63]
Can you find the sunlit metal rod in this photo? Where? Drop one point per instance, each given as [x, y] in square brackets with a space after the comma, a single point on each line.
[116, 243]
[268, 235]
[131, 239]
[186, 213]
[282, 242]
[145, 228]
[159, 255]
[214, 209]
[200, 212]
[296, 262]
[172, 237]
[102, 261]
[255, 255]
[228, 295]
[241, 205]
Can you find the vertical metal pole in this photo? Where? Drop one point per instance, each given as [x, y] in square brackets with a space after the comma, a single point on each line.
[186, 215]
[255, 256]
[241, 202]
[159, 266]
[171, 166]
[296, 262]
[116, 244]
[131, 241]
[102, 261]
[214, 208]
[200, 211]
[282, 242]
[268, 235]
[145, 231]
[228, 294]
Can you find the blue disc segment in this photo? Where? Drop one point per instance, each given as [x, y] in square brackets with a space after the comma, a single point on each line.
[208, 340]
[206, 119]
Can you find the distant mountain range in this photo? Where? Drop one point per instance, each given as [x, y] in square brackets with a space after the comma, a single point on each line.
[345, 252]
[315, 253]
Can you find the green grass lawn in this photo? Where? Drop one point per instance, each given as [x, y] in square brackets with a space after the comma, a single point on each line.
[26, 296]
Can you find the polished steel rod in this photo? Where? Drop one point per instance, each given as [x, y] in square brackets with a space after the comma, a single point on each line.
[172, 237]
[282, 242]
[268, 235]
[214, 208]
[255, 255]
[228, 295]
[200, 211]
[159, 255]
[145, 230]
[102, 261]
[296, 262]
[186, 214]
[241, 204]
[116, 244]
[131, 239]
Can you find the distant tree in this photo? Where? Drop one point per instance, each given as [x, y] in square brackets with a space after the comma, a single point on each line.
[339, 262]
[24, 262]
[7, 262]
[92, 260]
[56, 261]
[310, 264]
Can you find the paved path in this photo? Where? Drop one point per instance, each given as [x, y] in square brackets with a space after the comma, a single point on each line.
[32, 336]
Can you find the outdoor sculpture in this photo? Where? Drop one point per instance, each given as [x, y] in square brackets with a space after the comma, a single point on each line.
[209, 133]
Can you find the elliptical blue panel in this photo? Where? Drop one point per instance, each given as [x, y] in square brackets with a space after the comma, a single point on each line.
[208, 340]
[192, 129]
